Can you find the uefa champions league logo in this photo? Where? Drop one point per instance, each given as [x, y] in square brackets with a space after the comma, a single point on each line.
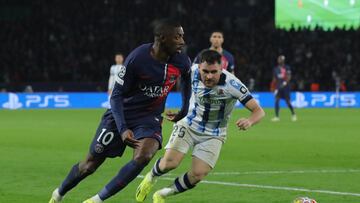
[13, 102]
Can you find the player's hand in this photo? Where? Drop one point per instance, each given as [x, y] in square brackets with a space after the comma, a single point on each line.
[243, 123]
[128, 138]
[171, 116]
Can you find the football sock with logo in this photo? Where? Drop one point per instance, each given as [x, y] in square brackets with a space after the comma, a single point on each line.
[124, 177]
[73, 178]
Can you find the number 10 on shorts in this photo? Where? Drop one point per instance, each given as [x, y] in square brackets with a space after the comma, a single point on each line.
[105, 138]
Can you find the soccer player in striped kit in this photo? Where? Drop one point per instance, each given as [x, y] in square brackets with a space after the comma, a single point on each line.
[114, 70]
[214, 94]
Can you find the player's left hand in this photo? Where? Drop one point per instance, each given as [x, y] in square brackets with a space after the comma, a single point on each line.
[243, 123]
[128, 138]
[171, 116]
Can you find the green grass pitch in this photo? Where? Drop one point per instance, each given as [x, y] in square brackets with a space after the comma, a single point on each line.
[318, 156]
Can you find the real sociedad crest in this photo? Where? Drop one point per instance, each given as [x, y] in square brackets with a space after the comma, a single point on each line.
[220, 92]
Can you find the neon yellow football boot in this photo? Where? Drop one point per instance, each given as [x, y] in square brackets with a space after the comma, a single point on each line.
[52, 200]
[56, 197]
[89, 201]
[144, 188]
[157, 198]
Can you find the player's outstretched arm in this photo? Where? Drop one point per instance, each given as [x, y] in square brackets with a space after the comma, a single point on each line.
[257, 113]
[110, 84]
[185, 95]
[117, 106]
[123, 82]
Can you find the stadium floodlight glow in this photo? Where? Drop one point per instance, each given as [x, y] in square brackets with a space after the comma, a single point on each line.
[310, 14]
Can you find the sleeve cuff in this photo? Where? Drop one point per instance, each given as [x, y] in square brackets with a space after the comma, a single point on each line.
[247, 98]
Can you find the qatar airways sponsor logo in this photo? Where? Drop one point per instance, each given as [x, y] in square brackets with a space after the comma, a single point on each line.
[155, 91]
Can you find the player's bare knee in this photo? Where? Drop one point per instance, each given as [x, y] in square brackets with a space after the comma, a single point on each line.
[169, 163]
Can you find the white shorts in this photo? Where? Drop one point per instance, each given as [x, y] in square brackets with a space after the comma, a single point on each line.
[207, 148]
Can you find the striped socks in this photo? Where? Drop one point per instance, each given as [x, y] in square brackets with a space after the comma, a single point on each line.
[156, 172]
[181, 184]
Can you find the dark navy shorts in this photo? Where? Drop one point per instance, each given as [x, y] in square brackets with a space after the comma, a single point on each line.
[108, 143]
[283, 93]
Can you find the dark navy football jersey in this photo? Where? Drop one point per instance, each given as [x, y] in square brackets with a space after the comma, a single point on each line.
[281, 74]
[227, 60]
[142, 87]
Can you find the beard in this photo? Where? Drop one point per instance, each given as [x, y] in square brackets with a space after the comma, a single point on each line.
[170, 49]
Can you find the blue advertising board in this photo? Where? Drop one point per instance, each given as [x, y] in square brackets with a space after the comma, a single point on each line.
[100, 100]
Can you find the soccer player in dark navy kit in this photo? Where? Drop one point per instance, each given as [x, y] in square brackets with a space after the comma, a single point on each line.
[282, 77]
[227, 59]
[137, 102]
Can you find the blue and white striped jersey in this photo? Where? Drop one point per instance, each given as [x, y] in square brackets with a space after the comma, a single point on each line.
[210, 108]
[114, 70]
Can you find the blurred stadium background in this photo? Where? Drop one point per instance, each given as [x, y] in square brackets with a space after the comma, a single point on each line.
[57, 54]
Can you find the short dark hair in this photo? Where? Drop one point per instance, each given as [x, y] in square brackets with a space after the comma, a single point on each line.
[164, 26]
[219, 31]
[210, 56]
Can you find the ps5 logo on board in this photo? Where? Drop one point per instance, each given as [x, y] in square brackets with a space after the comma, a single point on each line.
[13, 102]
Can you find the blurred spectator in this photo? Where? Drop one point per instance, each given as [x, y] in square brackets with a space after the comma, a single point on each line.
[314, 87]
[28, 89]
[49, 42]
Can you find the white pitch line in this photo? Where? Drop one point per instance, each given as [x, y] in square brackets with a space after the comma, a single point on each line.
[282, 188]
[281, 172]
[270, 187]
[278, 187]
[286, 172]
